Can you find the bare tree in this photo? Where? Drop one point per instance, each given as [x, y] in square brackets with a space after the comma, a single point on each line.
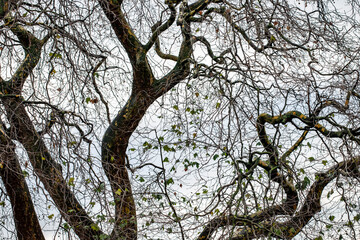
[180, 119]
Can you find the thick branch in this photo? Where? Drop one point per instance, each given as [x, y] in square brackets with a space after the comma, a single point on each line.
[145, 91]
[25, 218]
[114, 146]
[115, 140]
[312, 205]
[48, 171]
[253, 219]
[258, 224]
[220, 59]
[142, 74]
[123, 31]
[5, 7]
[182, 68]
[311, 122]
[157, 29]
[157, 46]
[32, 47]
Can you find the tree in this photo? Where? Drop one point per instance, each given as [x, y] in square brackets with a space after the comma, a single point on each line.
[236, 120]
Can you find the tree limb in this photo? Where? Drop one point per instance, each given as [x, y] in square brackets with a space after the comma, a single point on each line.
[25, 218]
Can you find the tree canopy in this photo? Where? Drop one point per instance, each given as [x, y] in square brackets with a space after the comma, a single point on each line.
[179, 119]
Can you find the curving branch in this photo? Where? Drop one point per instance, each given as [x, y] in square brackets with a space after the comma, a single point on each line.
[93, 73]
[219, 59]
[48, 170]
[145, 90]
[32, 48]
[260, 224]
[123, 31]
[23, 130]
[157, 29]
[311, 206]
[157, 47]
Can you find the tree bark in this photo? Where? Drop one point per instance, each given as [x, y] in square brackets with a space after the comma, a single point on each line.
[25, 218]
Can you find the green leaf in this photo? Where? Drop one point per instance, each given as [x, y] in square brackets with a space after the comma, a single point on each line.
[157, 196]
[71, 181]
[168, 149]
[330, 193]
[100, 188]
[118, 192]
[176, 107]
[51, 216]
[169, 181]
[331, 218]
[66, 226]
[311, 159]
[306, 181]
[303, 184]
[55, 55]
[215, 156]
[25, 173]
[104, 237]
[95, 227]
[72, 143]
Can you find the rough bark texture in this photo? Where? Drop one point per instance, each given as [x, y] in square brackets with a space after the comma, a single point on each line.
[48, 171]
[26, 221]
